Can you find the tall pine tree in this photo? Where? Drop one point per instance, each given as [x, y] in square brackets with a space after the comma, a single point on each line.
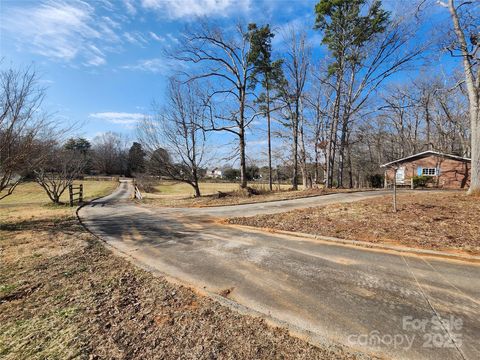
[347, 27]
[266, 72]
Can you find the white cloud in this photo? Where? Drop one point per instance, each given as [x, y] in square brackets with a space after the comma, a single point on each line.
[60, 30]
[176, 9]
[156, 37]
[135, 38]
[121, 118]
[173, 38]
[131, 10]
[154, 65]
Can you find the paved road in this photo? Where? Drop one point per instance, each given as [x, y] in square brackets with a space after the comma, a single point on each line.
[375, 301]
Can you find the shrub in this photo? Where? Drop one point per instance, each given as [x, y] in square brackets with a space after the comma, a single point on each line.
[146, 183]
[376, 181]
[421, 181]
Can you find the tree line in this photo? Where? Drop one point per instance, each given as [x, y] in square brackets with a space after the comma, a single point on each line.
[330, 120]
[339, 116]
[33, 145]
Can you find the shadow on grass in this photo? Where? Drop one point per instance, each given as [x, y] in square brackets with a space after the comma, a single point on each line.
[67, 225]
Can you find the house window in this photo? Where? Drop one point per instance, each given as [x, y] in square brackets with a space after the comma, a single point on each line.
[429, 172]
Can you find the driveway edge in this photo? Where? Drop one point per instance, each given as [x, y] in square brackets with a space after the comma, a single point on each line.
[366, 244]
[295, 331]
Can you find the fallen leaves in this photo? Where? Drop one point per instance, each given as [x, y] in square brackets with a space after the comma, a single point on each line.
[432, 220]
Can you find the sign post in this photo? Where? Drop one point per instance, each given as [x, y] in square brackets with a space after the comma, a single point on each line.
[395, 189]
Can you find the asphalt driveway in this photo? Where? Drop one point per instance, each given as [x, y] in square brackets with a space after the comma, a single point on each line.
[379, 302]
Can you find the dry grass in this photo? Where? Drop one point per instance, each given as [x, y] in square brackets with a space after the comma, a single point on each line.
[30, 202]
[32, 193]
[432, 220]
[64, 295]
[180, 189]
[234, 195]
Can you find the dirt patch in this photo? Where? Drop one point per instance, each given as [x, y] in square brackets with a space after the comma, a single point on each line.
[440, 221]
[64, 295]
[239, 197]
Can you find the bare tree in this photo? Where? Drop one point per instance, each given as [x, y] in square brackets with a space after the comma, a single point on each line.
[292, 92]
[319, 103]
[174, 138]
[366, 53]
[224, 59]
[58, 170]
[401, 114]
[470, 54]
[109, 154]
[21, 124]
[450, 121]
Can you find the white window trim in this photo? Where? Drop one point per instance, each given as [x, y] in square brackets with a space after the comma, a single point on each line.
[435, 172]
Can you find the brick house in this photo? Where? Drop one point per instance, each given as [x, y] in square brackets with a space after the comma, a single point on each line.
[448, 171]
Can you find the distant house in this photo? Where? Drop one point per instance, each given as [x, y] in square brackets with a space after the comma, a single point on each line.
[447, 171]
[215, 173]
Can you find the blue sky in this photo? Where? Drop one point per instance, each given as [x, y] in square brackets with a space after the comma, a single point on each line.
[102, 60]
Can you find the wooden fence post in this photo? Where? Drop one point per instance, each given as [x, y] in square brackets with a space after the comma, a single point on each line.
[70, 190]
[80, 194]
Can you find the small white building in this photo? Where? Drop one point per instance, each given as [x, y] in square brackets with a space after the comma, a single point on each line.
[215, 173]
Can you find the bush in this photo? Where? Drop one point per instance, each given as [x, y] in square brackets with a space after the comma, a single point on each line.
[146, 183]
[421, 181]
[231, 174]
[376, 181]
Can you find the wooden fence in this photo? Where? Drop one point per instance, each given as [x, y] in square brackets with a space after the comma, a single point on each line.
[76, 193]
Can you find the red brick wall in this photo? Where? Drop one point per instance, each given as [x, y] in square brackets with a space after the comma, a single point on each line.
[454, 174]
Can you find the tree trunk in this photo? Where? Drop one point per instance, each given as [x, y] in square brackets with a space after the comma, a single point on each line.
[316, 175]
[473, 99]
[196, 188]
[345, 135]
[475, 169]
[269, 137]
[194, 183]
[303, 156]
[295, 145]
[243, 165]
[341, 154]
[295, 156]
[241, 139]
[350, 166]
[332, 143]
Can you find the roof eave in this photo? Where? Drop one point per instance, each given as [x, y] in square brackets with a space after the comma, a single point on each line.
[428, 152]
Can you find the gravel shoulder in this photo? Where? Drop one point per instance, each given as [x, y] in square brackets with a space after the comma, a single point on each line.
[448, 221]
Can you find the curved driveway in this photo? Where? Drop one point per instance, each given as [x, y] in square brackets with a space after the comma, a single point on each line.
[379, 302]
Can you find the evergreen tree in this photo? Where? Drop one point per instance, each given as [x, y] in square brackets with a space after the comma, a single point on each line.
[81, 145]
[347, 28]
[268, 73]
[136, 159]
